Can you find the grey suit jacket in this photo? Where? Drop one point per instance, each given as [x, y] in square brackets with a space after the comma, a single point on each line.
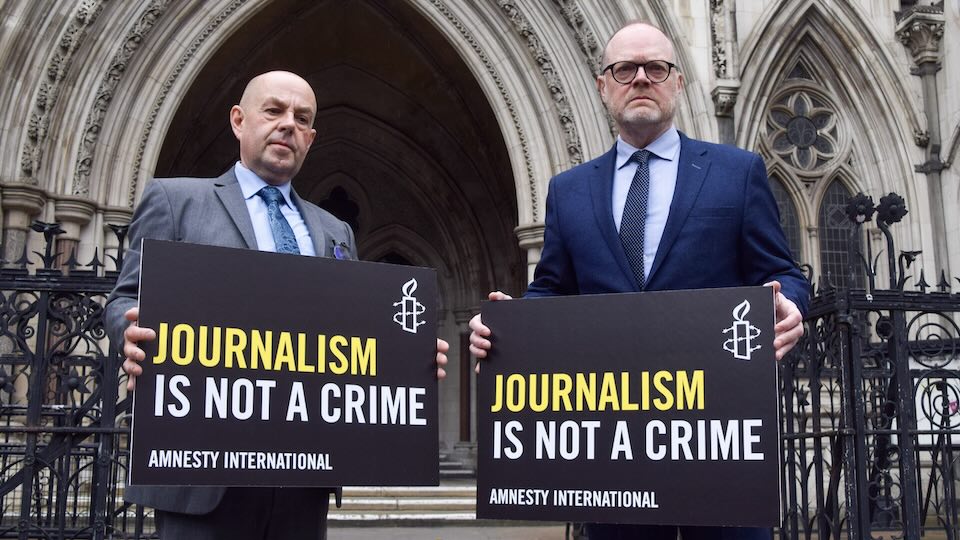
[208, 211]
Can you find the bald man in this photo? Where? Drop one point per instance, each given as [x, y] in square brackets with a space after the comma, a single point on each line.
[274, 125]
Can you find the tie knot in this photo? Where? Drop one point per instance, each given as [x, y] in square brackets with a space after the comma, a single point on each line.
[640, 156]
[271, 195]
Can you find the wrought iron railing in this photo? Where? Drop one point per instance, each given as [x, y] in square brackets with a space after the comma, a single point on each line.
[63, 424]
[870, 399]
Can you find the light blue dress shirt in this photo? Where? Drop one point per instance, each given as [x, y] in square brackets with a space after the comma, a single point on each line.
[664, 162]
[250, 184]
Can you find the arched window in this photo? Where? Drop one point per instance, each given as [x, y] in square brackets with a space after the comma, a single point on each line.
[834, 233]
[788, 217]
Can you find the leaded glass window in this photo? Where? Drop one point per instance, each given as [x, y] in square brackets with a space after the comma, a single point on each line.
[834, 233]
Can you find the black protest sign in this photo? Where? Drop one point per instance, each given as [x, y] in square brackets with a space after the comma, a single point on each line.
[655, 408]
[284, 370]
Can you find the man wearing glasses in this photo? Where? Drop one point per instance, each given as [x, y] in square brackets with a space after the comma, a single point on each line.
[661, 211]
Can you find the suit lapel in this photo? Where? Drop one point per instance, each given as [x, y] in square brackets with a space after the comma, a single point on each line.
[691, 172]
[601, 194]
[230, 194]
[321, 244]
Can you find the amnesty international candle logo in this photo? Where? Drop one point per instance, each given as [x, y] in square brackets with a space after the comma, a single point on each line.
[741, 344]
[410, 309]
[283, 370]
[611, 409]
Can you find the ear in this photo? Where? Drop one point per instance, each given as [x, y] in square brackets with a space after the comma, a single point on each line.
[236, 120]
[602, 87]
[313, 135]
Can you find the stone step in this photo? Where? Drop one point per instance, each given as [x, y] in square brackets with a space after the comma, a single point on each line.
[406, 505]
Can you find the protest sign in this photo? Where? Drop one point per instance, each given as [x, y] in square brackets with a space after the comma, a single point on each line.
[284, 370]
[656, 408]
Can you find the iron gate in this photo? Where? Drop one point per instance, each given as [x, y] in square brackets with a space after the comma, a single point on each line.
[870, 398]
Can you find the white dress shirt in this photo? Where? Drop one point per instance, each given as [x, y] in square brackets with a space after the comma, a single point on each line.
[664, 163]
[250, 184]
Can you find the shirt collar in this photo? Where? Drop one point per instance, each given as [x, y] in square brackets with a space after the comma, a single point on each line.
[666, 146]
[250, 184]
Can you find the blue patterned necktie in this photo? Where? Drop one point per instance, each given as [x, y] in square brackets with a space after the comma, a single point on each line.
[633, 222]
[283, 235]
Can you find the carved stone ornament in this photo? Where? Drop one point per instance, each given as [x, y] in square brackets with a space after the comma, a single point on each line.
[546, 65]
[185, 59]
[49, 89]
[465, 33]
[718, 37]
[804, 130]
[921, 30]
[586, 39]
[725, 98]
[104, 95]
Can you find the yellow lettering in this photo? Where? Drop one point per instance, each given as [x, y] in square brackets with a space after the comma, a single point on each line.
[261, 349]
[336, 343]
[302, 365]
[284, 352]
[321, 353]
[236, 342]
[363, 357]
[690, 393]
[608, 393]
[586, 392]
[497, 394]
[182, 344]
[161, 355]
[539, 405]
[665, 403]
[626, 404]
[516, 399]
[213, 359]
[562, 383]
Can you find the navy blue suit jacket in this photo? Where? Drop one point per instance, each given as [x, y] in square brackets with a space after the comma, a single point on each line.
[723, 230]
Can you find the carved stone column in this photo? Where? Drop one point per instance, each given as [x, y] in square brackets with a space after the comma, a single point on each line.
[920, 29]
[723, 34]
[72, 213]
[465, 450]
[724, 96]
[531, 239]
[22, 203]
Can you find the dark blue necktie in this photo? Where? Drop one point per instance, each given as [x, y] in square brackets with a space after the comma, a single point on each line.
[283, 235]
[633, 222]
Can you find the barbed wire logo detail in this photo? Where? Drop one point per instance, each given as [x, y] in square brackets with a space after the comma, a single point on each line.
[410, 309]
[742, 333]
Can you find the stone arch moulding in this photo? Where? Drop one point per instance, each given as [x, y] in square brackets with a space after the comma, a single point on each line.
[532, 126]
[174, 51]
[146, 97]
[822, 32]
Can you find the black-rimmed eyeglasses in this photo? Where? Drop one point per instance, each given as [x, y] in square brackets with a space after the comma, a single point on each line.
[625, 71]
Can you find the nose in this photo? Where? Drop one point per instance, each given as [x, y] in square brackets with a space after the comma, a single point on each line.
[641, 77]
[287, 121]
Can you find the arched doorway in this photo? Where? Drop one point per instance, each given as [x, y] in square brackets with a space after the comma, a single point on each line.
[408, 151]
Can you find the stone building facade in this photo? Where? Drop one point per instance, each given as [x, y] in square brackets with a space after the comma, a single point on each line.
[441, 121]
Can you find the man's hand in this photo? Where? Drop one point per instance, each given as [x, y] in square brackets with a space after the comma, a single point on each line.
[442, 348]
[132, 353]
[479, 344]
[789, 325]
